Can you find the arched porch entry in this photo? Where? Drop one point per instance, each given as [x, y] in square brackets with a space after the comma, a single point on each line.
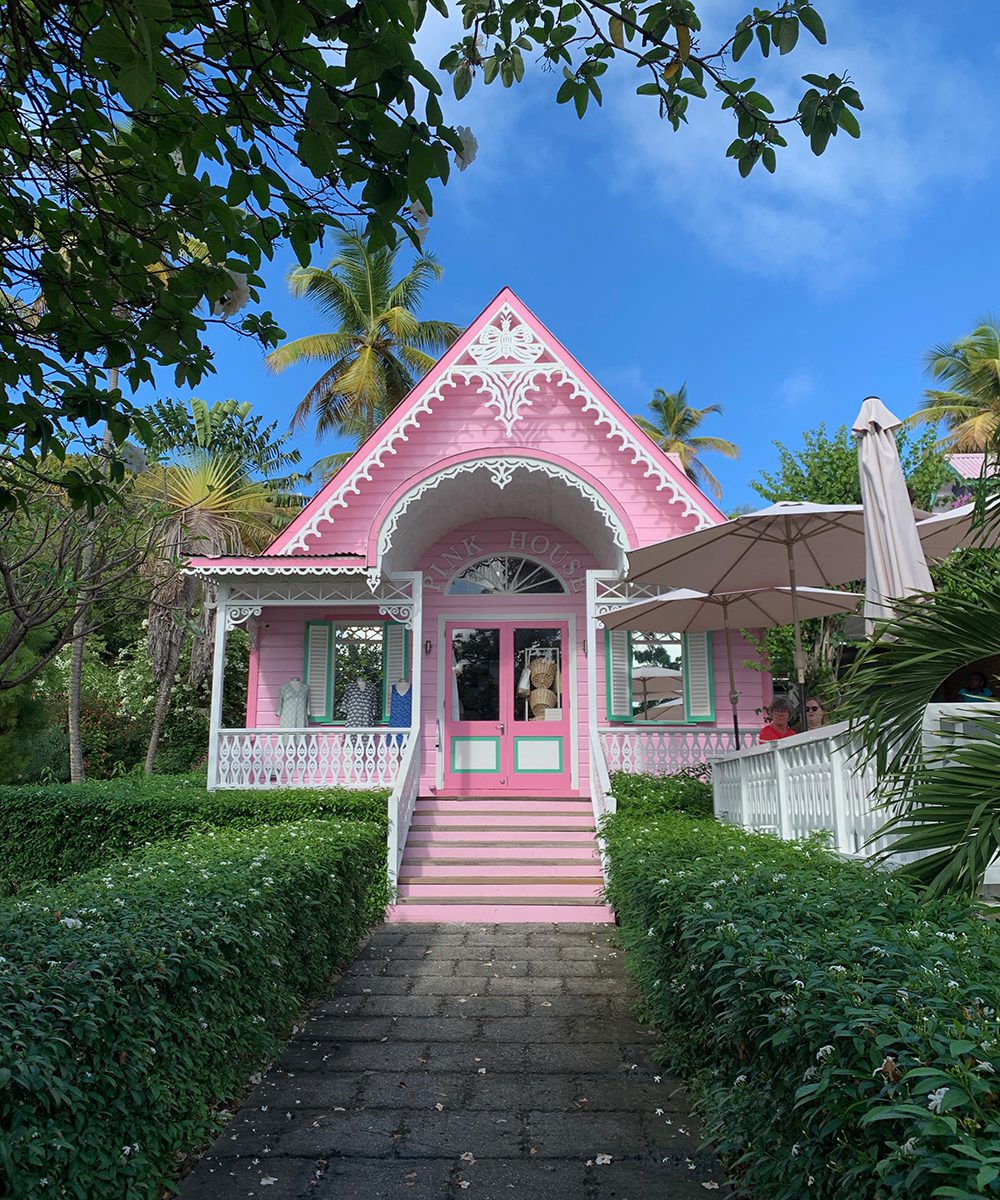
[503, 546]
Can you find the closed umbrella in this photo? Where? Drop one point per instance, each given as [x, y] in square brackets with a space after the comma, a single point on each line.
[803, 545]
[894, 561]
[688, 611]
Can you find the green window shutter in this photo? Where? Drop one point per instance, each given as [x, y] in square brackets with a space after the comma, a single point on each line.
[699, 681]
[618, 673]
[395, 660]
[318, 671]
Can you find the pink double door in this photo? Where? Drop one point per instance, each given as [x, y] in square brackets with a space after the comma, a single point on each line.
[507, 708]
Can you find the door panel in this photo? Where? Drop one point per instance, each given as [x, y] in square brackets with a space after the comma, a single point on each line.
[507, 714]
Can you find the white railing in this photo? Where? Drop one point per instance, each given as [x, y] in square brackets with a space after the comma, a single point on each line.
[314, 757]
[401, 804]
[601, 796]
[800, 785]
[639, 750]
[820, 780]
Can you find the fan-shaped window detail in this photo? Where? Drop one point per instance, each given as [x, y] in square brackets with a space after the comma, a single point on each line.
[505, 575]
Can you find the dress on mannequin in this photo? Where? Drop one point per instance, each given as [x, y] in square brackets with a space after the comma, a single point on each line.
[401, 706]
[359, 705]
[293, 704]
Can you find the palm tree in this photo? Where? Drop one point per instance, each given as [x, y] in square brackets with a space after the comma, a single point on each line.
[213, 488]
[673, 427]
[969, 403]
[377, 351]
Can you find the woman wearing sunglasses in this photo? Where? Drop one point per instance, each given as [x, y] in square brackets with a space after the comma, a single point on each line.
[815, 713]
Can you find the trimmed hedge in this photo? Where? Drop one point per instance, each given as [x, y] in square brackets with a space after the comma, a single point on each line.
[652, 795]
[840, 1034]
[52, 831]
[134, 998]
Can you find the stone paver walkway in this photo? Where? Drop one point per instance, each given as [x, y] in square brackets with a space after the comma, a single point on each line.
[478, 1061]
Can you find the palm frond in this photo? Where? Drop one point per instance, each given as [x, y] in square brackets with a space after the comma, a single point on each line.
[315, 347]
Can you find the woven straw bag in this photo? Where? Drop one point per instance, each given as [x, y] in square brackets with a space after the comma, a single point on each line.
[541, 699]
[543, 673]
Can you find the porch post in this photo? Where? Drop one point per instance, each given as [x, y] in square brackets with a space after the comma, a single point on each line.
[416, 645]
[218, 668]
[591, 636]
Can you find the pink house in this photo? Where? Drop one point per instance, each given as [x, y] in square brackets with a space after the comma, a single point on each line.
[430, 624]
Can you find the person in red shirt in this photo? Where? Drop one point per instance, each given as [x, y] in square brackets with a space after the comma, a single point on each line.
[777, 727]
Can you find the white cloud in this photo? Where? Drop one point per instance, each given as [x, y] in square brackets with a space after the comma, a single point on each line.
[925, 129]
[797, 388]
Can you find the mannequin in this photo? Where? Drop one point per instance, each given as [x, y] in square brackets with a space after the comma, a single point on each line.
[360, 703]
[293, 704]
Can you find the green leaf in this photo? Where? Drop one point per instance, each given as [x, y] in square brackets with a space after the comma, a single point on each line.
[741, 43]
[811, 19]
[849, 123]
[462, 81]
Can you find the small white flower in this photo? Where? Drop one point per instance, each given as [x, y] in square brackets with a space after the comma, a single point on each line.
[419, 213]
[658, 1113]
[134, 461]
[936, 1099]
[909, 1146]
[71, 922]
[237, 297]
[602, 1160]
[824, 1054]
[268, 1180]
[740, 1081]
[795, 1150]
[470, 147]
[809, 1073]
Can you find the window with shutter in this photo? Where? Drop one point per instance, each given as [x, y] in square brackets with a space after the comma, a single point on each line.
[618, 673]
[395, 659]
[317, 671]
[699, 687]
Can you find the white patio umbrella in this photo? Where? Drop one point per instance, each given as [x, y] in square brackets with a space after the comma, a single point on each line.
[894, 561]
[658, 683]
[803, 545]
[952, 530]
[688, 611]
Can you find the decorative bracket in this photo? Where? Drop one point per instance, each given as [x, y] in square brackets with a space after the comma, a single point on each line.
[401, 613]
[237, 614]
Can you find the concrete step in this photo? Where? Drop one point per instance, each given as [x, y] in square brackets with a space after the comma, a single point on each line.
[434, 911]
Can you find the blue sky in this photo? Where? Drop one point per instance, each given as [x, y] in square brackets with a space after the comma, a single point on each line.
[786, 299]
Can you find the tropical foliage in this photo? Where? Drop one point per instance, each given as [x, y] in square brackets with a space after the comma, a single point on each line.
[968, 401]
[262, 131]
[837, 1029]
[378, 347]
[214, 500]
[942, 800]
[673, 425]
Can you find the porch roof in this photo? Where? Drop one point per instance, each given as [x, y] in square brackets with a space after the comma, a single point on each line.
[220, 566]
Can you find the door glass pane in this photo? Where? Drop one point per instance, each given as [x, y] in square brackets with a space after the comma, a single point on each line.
[538, 675]
[475, 692]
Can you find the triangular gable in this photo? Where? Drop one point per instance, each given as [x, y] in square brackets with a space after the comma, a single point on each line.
[505, 353]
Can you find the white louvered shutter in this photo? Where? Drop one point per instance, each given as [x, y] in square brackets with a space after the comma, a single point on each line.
[698, 679]
[394, 658]
[619, 673]
[318, 635]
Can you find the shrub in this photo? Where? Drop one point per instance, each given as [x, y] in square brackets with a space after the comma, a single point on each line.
[51, 831]
[134, 998]
[650, 795]
[840, 1034]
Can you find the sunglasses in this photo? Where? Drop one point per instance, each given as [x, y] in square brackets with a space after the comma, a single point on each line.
[813, 708]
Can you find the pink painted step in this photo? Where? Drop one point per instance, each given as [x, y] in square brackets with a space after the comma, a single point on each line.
[504, 836]
[517, 892]
[494, 820]
[468, 852]
[521, 805]
[598, 914]
[585, 871]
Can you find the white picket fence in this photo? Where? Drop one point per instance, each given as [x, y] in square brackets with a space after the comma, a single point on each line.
[402, 802]
[639, 750]
[314, 757]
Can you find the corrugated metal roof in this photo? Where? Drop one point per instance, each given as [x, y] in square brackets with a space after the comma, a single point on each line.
[969, 466]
